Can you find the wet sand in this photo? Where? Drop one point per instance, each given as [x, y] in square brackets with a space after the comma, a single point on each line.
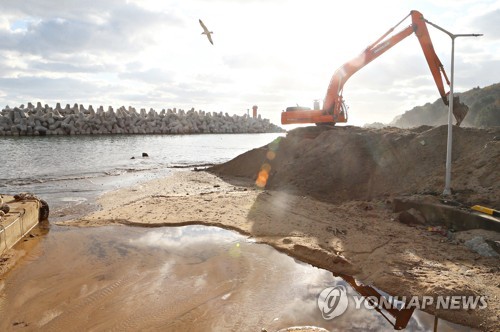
[192, 278]
[356, 238]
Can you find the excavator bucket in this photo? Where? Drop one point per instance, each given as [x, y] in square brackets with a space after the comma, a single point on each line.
[459, 110]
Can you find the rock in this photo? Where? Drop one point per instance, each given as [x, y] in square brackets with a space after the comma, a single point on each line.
[78, 120]
[5, 208]
[42, 130]
[479, 245]
[495, 245]
[144, 154]
[411, 217]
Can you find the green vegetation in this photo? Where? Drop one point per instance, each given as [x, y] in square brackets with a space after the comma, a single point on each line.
[484, 110]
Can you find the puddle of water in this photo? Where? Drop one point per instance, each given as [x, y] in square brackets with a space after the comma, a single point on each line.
[192, 278]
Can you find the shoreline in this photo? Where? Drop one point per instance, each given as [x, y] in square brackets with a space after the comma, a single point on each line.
[359, 238]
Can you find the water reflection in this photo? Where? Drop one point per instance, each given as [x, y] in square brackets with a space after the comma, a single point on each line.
[172, 279]
[401, 316]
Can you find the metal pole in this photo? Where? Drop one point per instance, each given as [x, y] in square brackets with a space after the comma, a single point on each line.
[447, 178]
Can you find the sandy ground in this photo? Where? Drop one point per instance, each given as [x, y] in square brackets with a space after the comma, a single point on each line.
[23, 249]
[358, 238]
[162, 279]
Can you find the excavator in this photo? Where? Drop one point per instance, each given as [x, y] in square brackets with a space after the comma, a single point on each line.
[334, 109]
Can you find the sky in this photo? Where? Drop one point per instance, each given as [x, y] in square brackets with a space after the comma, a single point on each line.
[269, 53]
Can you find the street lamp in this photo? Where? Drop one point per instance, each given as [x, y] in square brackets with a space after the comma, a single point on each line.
[447, 190]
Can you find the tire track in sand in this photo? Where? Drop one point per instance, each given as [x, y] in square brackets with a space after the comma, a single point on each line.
[167, 314]
[67, 318]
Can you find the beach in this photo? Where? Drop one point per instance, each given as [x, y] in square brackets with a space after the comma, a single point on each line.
[361, 238]
[322, 198]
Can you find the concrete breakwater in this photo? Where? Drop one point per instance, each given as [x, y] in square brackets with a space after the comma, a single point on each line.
[77, 120]
[22, 214]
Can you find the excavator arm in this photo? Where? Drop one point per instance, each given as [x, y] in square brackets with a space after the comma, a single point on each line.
[334, 109]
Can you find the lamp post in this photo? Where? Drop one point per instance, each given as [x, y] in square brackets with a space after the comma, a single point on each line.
[447, 189]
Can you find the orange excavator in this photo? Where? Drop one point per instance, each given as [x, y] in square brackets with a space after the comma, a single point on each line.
[335, 111]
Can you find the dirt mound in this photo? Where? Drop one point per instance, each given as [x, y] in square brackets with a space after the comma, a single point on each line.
[337, 164]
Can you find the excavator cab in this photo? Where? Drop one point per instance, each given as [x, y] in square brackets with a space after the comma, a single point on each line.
[297, 108]
[300, 114]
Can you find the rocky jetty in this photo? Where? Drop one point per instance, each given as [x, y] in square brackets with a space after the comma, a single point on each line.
[44, 120]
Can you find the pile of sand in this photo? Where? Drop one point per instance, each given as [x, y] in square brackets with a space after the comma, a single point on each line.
[338, 164]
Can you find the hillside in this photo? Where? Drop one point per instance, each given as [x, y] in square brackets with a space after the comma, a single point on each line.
[484, 110]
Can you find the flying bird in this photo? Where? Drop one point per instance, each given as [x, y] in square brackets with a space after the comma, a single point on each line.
[206, 32]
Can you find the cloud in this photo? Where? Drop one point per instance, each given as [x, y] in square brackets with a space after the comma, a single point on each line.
[151, 53]
[44, 88]
[171, 94]
[215, 78]
[68, 9]
[478, 74]
[72, 64]
[150, 76]
[5, 67]
[488, 24]
[107, 27]
[179, 238]
[253, 61]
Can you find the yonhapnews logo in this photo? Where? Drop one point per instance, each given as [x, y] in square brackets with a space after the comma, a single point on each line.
[333, 302]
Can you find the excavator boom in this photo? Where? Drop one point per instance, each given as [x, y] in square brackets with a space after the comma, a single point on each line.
[334, 109]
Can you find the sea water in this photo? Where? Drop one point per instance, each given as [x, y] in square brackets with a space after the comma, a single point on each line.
[67, 171]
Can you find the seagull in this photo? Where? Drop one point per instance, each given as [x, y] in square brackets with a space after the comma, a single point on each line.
[206, 32]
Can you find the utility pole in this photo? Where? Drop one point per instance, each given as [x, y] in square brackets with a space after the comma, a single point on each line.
[447, 183]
